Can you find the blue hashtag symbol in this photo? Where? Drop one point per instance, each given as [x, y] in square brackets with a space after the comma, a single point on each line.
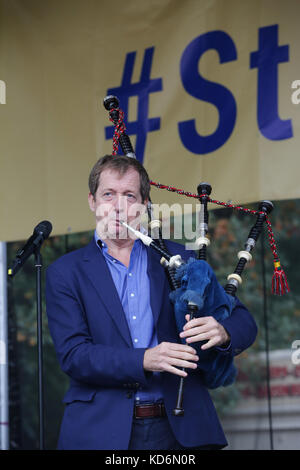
[141, 89]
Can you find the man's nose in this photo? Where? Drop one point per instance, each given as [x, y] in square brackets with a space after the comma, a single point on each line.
[120, 203]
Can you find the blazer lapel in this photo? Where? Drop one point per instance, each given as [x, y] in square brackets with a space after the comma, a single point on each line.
[157, 277]
[99, 274]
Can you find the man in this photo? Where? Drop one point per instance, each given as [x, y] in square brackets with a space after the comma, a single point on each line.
[115, 334]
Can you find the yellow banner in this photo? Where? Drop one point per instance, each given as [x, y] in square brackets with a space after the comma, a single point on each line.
[209, 90]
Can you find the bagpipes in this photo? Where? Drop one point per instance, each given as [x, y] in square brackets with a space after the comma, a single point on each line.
[194, 287]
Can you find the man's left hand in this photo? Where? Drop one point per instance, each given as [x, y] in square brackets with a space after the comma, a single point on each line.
[205, 329]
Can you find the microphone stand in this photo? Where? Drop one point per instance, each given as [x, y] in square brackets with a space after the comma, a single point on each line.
[38, 266]
[40, 233]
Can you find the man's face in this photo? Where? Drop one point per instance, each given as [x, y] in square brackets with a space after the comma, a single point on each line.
[118, 198]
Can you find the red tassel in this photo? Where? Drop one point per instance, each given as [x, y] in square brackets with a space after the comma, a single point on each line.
[279, 281]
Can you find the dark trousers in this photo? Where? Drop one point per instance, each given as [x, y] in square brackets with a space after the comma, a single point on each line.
[152, 434]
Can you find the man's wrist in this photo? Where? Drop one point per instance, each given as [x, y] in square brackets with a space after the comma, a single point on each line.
[226, 345]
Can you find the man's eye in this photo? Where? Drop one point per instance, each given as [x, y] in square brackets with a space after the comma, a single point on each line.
[131, 196]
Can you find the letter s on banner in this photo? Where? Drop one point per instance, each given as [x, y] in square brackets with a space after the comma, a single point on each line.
[295, 358]
[205, 90]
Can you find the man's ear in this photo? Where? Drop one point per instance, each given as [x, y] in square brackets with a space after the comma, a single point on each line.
[92, 203]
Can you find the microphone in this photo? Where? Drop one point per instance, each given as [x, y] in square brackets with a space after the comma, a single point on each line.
[40, 233]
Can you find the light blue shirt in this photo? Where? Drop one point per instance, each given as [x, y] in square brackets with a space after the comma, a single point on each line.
[133, 287]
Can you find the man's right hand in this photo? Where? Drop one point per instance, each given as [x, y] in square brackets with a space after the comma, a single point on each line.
[169, 357]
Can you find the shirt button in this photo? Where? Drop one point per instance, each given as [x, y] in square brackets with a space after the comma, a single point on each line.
[136, 340]
[131, 295]
[130, 274]
[134, 317]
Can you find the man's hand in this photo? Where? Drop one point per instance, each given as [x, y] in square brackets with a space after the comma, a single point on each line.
[168, 357]
[205, 329]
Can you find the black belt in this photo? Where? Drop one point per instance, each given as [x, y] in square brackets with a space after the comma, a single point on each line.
[149, 410]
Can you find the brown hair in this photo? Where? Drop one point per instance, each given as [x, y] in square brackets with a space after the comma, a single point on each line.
[120, 163]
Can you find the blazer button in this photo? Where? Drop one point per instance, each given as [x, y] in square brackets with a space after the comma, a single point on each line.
[129, 394]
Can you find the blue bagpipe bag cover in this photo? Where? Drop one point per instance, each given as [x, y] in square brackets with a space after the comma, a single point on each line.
[200, 286]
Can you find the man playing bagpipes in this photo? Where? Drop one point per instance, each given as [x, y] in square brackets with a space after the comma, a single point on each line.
[124, 337]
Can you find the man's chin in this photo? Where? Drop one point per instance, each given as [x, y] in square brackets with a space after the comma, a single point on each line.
[117, 232]
[114, 231]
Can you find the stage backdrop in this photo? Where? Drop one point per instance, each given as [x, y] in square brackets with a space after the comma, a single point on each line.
[206, 86]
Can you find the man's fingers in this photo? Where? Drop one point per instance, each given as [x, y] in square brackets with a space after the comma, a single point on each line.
[212, 342]
[188, 356]
[181, 348]
[174, 370]
[198, 335]
[202, 322]
[180, 356]
[181, 363]
[170, 357]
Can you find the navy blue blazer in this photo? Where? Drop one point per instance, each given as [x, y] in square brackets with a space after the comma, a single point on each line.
[94, 348]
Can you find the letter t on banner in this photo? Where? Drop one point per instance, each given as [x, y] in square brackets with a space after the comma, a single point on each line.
[266, 60]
